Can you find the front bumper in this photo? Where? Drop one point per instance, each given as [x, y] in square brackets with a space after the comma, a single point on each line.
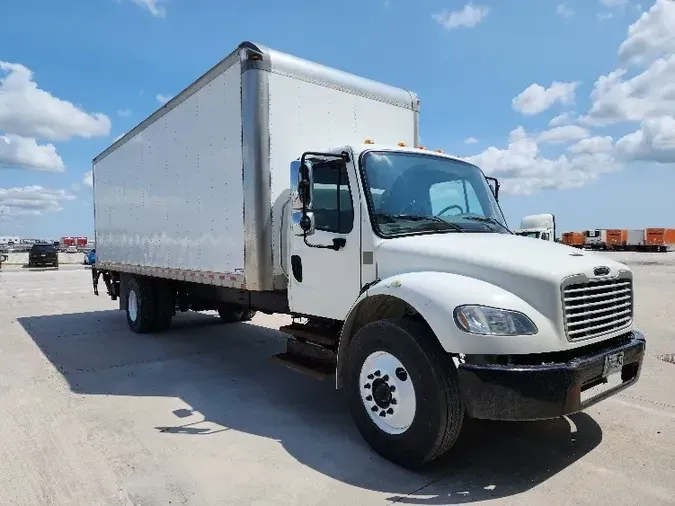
[553, 387]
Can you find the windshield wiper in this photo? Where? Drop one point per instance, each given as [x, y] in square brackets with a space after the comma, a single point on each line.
[418, 217]
[487, 219]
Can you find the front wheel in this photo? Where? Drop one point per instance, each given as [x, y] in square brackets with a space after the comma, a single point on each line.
[403, 392]
[140, 305]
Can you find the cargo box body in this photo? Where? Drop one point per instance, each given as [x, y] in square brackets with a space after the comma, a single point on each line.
[661, 238]
[575, 239]
[197, 191]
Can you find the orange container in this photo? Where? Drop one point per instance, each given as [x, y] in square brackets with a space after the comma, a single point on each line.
[575, 239]
[617, 237]
[661, 237]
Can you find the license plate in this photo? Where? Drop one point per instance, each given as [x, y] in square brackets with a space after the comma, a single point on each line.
[613, 364]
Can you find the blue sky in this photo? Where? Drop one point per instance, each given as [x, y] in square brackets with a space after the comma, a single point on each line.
[77, 74]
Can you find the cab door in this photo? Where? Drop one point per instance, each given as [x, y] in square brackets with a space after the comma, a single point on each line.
[324, 264]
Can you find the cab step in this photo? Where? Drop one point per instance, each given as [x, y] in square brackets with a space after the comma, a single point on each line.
[313, 334]
[308, 358]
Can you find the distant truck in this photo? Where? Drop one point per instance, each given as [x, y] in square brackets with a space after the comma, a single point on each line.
[538, 226]
[261, 187]
[659, 239]
[67, 242]
[595, 239]
[81, 242]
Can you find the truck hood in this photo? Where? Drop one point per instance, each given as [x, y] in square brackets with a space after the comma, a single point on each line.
[530, 269]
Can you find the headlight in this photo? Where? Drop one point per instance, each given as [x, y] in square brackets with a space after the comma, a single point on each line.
[492, 321]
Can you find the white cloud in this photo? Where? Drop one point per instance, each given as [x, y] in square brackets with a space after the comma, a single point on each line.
[653, 142]
[468, 17]
[31, 201]
[535, 98]
[30, 111]
[163, 99]
[88, 179]
[524, 170]
[154, 7]
[564, 10]
[647, 95]
[592, 145]
[124, 112]
[471, 140]
[652, 35]
[18, 152]
[561, 119]
[565, 133]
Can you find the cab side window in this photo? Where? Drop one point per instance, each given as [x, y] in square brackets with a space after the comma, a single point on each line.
[332, 198]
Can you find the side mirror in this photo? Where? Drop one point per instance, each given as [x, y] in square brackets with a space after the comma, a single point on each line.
[302, 223]
[493, 182]
[301, 185]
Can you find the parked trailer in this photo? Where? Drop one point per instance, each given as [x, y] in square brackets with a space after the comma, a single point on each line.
[635, 239]
[659, 239]
[67, 241]
[81, 242]
[617, 238]
[574, 239]
[253, 190]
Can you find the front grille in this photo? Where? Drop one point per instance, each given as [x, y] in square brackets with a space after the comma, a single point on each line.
[597, 307]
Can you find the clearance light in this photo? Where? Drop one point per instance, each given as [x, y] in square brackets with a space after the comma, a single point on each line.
[421, 147]
[401, 144]
[368, 141]
[438, 151]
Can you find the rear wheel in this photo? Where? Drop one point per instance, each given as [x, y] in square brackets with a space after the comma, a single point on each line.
[140, 305]
[165, 305]
[403, 392]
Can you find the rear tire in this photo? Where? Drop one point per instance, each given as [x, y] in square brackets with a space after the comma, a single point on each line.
[140, 305]
[408, 407]
[165, 306]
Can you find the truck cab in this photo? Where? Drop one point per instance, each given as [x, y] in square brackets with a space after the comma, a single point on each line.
[538, 226]
[408, 249]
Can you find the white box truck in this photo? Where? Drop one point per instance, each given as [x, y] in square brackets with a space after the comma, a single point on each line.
[537, 226]
[261, 187]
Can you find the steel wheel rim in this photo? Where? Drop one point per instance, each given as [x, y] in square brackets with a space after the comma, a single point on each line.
[387, 392]
[132, 305]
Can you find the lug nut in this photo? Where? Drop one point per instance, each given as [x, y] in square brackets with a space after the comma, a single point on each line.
[393, 401]
[390, 411]
[392, 388]
[383, 414]
[370, 376]
[369, 398]
[367, 385]
[378, 373]
[374, 408]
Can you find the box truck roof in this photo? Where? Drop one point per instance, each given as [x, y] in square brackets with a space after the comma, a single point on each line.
[258, 56]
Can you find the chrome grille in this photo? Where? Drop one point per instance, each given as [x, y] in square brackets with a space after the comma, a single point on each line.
[597, 307]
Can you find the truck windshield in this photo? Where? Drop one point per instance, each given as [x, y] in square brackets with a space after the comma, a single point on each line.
[410, 193]
[534, 235]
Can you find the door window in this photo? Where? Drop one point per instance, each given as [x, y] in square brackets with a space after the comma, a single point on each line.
[332, 198]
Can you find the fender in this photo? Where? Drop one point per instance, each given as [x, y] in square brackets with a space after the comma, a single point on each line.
[435, 295]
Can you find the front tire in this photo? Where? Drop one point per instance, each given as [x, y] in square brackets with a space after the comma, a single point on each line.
[403, 392]
[140, 306]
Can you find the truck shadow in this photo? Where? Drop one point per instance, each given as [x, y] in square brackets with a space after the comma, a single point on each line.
[223, 373]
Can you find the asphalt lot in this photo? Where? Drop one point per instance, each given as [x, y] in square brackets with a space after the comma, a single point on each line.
[93, 414]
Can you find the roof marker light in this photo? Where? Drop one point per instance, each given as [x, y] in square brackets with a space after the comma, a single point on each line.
[368, 141]
[401, 144]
